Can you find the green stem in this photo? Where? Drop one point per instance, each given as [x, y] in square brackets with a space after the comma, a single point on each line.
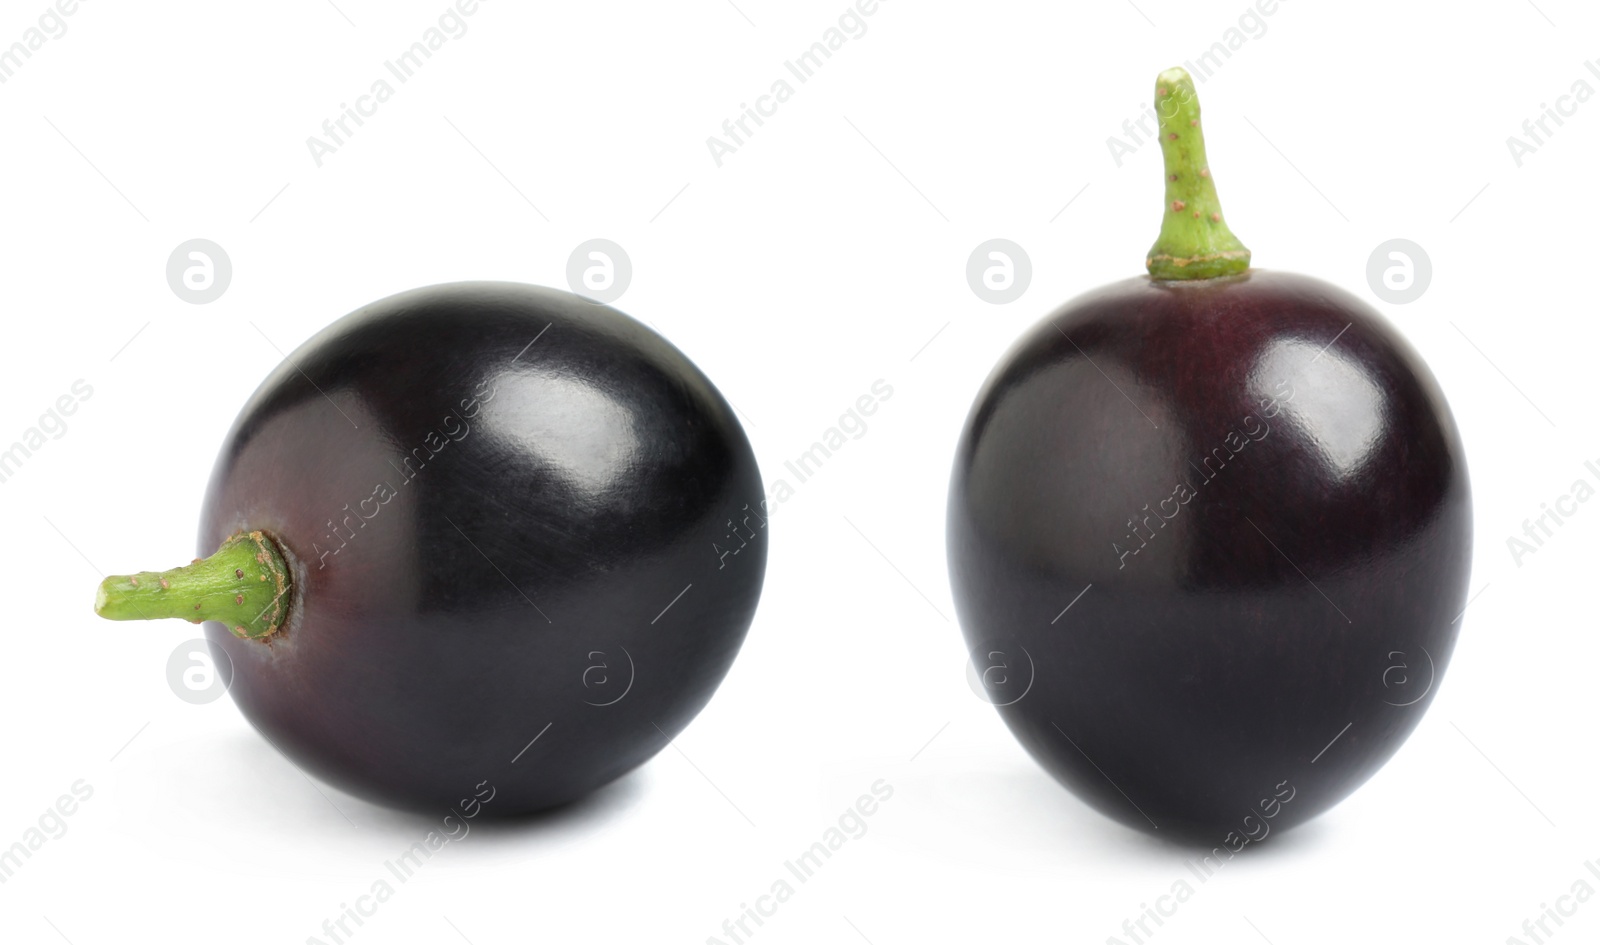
[1195, 242]
[245, 585]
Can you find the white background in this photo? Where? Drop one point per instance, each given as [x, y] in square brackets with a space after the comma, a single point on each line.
[823, 255]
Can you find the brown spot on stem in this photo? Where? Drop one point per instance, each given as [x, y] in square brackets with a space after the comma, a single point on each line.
[238, 599]
[1216, 218]
[1162, 92]
[1194, 123]
[263, 577]
[1173, 136]
[164, 584]
[239, 632]
[1197, 214]
[1177, 206]
[134, 581]
[197, 606]
[1205, 172]
[238, 572]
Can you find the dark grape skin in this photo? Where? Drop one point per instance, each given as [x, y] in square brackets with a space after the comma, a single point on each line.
[1308, 586]
[531, 579]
